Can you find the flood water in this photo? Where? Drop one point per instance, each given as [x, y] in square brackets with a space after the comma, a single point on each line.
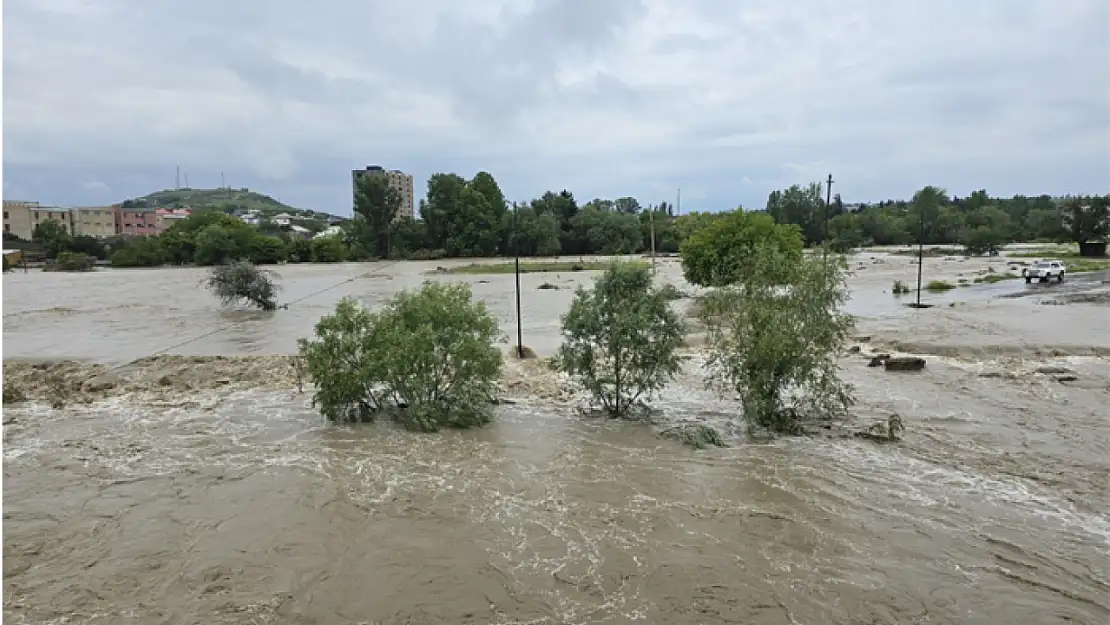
[233, 504]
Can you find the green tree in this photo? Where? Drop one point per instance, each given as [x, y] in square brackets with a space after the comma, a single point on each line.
[378, 203]
[144, 252]
[802, 206]
[90, 246]
[52, 236]
[986, 231]
[429, 357]
[215, 245]
[726, 251]
[1086, 219]
[265, 250]
[328, 250]
[778, 348]
[620, 339]
[242, 281]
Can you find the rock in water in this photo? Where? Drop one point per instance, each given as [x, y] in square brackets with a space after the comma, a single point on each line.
[905, 363]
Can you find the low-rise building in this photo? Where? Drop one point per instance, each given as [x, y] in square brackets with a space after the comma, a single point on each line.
[283, 219]
[62, 216]
[167, 217]
[17, 218]
[139, 222]
[94, 221]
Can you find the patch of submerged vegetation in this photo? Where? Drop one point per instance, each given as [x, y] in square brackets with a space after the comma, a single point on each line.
[696, 435]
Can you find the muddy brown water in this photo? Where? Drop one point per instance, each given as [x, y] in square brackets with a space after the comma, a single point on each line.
[232, 502]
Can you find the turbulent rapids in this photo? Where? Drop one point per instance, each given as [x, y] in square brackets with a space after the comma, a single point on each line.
[203, 487]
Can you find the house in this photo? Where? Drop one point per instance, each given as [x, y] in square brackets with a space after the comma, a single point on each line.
[283, 219]
[299, 232]
[250, 218]
[330, 231]
[167, 217]
[22, 217]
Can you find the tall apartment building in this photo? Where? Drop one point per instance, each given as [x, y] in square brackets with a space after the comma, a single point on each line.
[397, 179]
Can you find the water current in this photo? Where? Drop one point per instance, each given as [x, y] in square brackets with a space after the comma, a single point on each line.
[216, 494]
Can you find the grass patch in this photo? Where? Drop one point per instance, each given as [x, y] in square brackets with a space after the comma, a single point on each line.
[1048, 251]
[939, 285]
[995, 277]
[1087, 265]
[534, 267]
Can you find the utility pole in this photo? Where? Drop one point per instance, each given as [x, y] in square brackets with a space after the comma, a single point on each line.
[678, 203]
[516, 253]
[920, 253]
[186, 180]
[828, 199]
[651, 219]
[177, 178]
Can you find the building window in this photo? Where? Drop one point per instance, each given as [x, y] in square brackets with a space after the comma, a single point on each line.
[5, 214]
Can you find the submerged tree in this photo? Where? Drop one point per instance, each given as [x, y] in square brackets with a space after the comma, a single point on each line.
[620, 339]
[429, 358]
[242, 281]
[776, 345]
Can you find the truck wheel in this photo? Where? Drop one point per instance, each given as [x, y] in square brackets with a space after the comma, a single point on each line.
[1028, 279]
[1060, 278]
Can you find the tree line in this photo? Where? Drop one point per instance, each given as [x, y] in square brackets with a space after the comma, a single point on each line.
[979, 222]
[460, 217]
[472, 218]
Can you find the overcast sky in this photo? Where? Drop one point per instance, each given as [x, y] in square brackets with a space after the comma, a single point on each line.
[727, 99]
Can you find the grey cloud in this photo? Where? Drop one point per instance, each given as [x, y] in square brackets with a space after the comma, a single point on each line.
[604, 98]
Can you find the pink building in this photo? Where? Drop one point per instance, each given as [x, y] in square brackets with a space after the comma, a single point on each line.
[136, 222]
[169, 216]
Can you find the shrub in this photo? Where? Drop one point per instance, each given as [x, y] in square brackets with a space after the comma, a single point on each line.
[899, 288]
[145, 252]
[72, 261]
[429, 358]
[7, 265]
[777, 347]
[328, 250]
[429, 254]
[620, 339]
[266, 250]
[242, 281]
[939, 285]
[725, 251]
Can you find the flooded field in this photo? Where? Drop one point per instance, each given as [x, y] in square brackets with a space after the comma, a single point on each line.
[207, 490]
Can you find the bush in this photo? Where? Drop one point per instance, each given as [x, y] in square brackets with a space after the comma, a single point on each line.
[265, 250]
[620, 339]
[899, 288]
[939, 285]
[725, 251]
[777, 347]
[300, 250]
[328, 250]
[72, 261]
[7, 265]
[145, 252]
[242, 281]
[429, 358]
[429, 254]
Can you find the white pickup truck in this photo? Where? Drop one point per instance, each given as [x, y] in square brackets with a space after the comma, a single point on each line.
[1043, 271]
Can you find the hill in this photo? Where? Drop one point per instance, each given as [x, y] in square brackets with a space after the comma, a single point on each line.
[227, 200]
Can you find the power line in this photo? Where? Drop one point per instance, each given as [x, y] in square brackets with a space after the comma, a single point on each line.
[230, 325]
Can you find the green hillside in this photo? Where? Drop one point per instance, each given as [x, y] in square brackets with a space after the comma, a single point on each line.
[227, 200]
